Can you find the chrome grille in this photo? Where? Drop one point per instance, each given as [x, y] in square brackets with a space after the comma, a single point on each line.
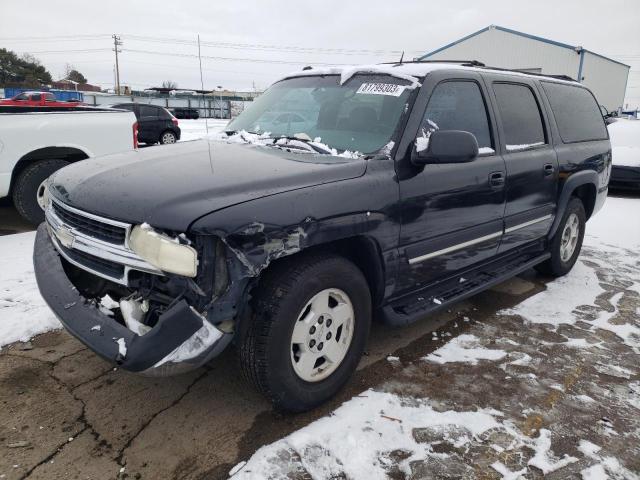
[96, 244]
[94, 228]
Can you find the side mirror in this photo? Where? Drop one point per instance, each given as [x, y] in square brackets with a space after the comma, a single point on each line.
[447, 146]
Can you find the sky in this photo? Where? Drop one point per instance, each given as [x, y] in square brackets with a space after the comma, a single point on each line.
[247, 45]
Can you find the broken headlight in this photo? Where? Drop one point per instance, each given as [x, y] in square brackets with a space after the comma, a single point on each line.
[163, 252]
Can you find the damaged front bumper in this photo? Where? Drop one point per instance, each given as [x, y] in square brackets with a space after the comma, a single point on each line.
[181, 340]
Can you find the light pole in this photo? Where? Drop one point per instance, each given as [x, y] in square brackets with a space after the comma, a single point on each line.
[220, 104]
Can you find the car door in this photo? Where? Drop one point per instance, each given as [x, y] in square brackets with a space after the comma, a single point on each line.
[148, 124]
[451, 214]
[530, 159]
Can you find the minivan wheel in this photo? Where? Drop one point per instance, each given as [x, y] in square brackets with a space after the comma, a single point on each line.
[168, 137]
[25, 189]
[566, 244]
[310, 322]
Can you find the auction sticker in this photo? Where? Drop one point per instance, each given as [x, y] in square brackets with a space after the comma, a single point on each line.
[381, 89]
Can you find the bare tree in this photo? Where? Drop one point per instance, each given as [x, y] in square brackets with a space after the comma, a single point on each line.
[169, 84]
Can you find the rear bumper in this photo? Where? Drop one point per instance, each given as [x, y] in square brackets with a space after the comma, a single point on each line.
[627, 178]
[179, 342]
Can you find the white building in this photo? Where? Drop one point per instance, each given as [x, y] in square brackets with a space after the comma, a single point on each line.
[505, 48]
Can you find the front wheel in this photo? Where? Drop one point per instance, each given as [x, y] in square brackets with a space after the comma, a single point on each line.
[566, 244]
[311, 319]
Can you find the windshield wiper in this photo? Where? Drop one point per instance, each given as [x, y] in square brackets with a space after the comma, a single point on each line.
[316, 147]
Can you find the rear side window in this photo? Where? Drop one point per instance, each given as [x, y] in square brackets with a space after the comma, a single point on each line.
[36, 97]
[520, 115]
[458, 105]
[147, 111]
[164, 114]
[49, 97]
[576, 111]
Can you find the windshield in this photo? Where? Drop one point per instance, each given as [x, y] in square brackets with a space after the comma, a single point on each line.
[359, 116]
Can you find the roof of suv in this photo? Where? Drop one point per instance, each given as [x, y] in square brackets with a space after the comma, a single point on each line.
[412, 71]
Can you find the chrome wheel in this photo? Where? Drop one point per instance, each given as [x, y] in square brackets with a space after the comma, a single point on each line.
[322, 335]
[168, 137]
[569, 238]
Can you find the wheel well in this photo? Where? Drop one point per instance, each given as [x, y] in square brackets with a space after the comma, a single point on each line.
[587, 194]
[363, 252]
[68, 154]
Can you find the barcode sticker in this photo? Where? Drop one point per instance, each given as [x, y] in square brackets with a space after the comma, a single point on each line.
[381, 89]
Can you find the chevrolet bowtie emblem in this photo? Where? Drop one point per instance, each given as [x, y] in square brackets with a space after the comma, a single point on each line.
[65, 237]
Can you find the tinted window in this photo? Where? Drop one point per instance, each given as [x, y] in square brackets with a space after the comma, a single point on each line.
[520, 115]
[163, 113]
[576, 111]
[458, 106]
[22, 96]
[35, 97]
[148, 111]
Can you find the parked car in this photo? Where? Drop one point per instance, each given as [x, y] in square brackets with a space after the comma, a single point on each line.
[625, 137]
[186, 113]
[419, 185]
[38, 99]
[155, 123]
[36, 142]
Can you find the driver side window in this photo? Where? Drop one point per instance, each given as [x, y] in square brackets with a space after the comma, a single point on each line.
[458, 105]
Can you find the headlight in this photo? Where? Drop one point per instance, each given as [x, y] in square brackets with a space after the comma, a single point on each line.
[163, 252]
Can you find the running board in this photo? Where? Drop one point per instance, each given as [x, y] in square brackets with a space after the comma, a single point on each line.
[418, 305]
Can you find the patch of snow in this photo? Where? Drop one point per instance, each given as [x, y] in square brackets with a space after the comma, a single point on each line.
[506, 473]
[96, 328]
[464, 348]
[524, 146]
[485, 150]
[349, 441]
[122, 347]
[557, 303]
[594, 472]
[587, 448]
[237, 468]
[23, 312]
[542, 460]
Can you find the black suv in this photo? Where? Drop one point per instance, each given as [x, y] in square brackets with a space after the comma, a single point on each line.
[412, 186]
[155, 123]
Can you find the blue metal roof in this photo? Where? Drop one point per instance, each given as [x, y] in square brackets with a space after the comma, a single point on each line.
[521, 34]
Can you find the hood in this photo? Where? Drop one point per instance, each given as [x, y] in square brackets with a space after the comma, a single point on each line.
[170, 186]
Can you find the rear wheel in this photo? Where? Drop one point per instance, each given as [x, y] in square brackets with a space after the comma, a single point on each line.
[168, 137]
[566, 244]
[310, 324]
[25, 188]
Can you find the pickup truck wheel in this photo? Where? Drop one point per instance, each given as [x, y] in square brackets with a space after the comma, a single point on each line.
[566, 244]
[310, 324]
[167, 137]
[25, 188]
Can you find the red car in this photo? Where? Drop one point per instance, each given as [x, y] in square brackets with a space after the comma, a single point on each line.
[39, 99]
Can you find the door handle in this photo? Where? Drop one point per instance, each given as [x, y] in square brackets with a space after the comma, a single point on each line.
[548, 169]
[496, 179]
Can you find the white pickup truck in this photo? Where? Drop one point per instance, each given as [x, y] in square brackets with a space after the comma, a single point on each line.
[36, 142]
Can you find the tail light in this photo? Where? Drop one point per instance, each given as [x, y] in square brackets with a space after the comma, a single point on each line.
[135, 134]
[175, 121]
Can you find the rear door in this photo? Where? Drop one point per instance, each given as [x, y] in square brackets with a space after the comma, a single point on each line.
[530, 159]
[451, 214]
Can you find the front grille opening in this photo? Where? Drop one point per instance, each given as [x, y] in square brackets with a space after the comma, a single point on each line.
[105, 267]
[94, 228]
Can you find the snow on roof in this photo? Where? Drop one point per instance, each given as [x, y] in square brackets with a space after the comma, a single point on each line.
[411, 71]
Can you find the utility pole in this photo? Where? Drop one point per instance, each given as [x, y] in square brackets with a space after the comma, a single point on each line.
[116, 43]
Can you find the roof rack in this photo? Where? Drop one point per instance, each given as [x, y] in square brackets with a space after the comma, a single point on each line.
[466, 63]
[478, 64]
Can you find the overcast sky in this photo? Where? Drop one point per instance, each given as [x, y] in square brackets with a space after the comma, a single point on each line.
[302, 33]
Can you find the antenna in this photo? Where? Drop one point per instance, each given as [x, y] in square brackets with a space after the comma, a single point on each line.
[401, 57]
[206, 119]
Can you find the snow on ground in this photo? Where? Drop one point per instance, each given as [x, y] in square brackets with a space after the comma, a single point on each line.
[464, 348]
[194, 129]
[625, 138]
[23, 313]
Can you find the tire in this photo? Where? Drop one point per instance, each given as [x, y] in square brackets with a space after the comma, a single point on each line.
[168, 137]
[26, 186]
[563, 257]
[267, 355]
